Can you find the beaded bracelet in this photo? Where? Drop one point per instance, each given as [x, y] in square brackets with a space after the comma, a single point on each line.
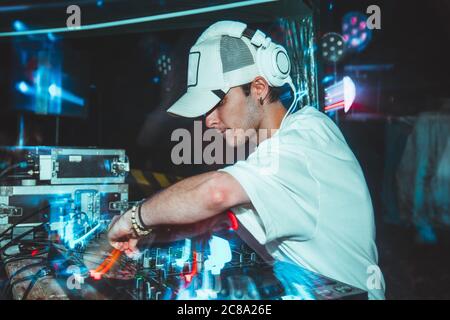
[137, 229]
[140, 220]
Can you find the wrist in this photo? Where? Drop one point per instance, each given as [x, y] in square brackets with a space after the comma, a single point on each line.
[141, 216]
[126, 220]
[136, 225]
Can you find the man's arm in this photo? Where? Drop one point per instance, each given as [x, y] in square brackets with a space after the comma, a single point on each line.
[194, 199]
[188, 201]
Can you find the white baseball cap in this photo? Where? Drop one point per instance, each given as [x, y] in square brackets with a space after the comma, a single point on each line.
[215, 65]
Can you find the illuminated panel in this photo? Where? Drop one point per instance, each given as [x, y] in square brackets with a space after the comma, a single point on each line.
[74, 242]
[188, 277]
[220, 255]
[185, 255]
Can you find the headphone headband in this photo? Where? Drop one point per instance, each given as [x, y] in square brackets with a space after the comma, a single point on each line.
[223, 28]
[237, 30]
[272, 59]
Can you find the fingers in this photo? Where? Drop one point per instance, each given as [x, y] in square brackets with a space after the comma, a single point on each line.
[121, 236]
[122, 246]
[116, 245]
[129, 247]
[114, 232]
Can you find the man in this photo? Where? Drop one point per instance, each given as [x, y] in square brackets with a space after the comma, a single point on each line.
[301, 193]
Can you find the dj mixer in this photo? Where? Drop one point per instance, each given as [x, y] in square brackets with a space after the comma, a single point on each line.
[215, 266]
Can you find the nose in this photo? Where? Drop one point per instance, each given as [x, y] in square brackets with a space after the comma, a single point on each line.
[212, 120]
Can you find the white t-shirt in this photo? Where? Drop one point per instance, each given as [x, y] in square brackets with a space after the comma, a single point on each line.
[310, 201]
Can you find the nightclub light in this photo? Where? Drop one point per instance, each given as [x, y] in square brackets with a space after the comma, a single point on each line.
[333, 47]
[349, 93]
[340, 95]
[330, 6]
[327, 79]
[355, 32]
[23, 87]
[57, 92]
[54, 90]
[19, 25]
[164, 64]
[156, 79]
[157, 17]
[51, 37]
[13, 8]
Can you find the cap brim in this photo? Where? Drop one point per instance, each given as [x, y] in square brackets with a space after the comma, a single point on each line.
[194, 103]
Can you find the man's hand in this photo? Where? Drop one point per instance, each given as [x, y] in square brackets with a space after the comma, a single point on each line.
[121, 235]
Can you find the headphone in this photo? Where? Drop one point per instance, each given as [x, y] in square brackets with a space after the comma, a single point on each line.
[272, 59]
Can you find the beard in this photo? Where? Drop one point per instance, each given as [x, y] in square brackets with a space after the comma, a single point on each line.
[247, 129]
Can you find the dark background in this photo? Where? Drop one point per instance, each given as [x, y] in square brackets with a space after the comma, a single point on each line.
[413, 38]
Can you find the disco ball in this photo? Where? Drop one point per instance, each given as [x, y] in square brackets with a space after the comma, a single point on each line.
[164, 64]
[333, 47]
[355, 32]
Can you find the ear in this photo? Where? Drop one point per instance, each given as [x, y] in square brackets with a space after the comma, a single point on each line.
[260, 88]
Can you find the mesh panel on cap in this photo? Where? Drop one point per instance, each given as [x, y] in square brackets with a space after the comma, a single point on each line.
[234, 54]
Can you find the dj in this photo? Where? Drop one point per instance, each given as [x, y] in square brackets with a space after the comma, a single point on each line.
[301, 193]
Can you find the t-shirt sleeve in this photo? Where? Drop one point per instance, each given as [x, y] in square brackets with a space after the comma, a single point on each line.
[278, 180]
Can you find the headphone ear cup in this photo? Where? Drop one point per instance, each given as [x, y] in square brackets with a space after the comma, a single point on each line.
[274, 64]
